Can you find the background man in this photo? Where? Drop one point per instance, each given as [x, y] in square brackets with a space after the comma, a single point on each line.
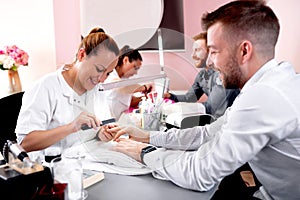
[207, 82]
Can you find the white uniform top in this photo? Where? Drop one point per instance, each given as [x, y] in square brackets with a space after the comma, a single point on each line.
[50, 103]
[262, 127]
[118, 99]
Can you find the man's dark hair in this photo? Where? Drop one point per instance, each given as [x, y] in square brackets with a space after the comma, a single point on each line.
[251, 20]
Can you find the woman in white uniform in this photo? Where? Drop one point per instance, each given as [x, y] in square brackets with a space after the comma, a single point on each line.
[121, 99]
[59, 104]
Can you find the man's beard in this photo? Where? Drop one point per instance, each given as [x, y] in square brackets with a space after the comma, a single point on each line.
[201, 64]
[233, 78]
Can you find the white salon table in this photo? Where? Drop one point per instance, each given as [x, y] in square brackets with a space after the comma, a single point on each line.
[141, 187]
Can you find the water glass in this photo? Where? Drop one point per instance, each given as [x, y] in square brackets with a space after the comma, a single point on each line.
[151, 121]
[69, 170]
[52, 152]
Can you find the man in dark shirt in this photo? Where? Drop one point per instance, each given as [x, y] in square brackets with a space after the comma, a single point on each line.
[206, 82]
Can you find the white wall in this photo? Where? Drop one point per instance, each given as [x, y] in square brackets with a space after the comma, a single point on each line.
[29, 25]
[48, 30]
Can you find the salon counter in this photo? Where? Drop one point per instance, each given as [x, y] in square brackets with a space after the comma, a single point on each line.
[141, 187]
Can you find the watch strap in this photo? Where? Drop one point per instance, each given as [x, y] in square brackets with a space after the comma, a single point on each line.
[145, 150]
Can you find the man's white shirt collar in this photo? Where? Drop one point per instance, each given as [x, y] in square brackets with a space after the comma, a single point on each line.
[266, 67]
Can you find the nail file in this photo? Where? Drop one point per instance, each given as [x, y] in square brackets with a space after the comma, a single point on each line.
[107, 121]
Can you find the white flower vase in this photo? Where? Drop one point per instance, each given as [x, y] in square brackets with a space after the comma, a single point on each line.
[14, 82]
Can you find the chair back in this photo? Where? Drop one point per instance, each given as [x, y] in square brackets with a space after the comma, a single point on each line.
[10, 108]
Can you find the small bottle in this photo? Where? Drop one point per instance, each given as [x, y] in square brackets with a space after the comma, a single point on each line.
[143, 109]
[143, 105]
[150, 106]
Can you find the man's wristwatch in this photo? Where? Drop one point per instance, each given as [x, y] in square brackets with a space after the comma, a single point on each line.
[145, 150]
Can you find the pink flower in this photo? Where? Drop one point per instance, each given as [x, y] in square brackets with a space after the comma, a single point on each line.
[13, 57]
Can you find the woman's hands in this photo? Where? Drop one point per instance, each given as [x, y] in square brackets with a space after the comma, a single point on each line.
[113, 132]
[144, 89]
[147, 89]
[135, 101]
[85, 119]
[107, 133]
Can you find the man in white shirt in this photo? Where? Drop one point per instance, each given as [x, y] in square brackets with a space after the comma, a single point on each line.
[262, 127]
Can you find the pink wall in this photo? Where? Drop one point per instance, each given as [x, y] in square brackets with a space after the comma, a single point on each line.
[56, 39]
[67, 29]
[182, 73]
[288, 46]
[178, 65]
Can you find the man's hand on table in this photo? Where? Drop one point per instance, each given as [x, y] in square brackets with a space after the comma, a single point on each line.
[132, 146]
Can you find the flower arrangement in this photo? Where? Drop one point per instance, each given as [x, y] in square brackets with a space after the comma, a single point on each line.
[13, 57]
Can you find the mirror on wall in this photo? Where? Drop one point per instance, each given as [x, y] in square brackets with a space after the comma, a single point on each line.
[130, 22]
[135, 22]
[172, 28]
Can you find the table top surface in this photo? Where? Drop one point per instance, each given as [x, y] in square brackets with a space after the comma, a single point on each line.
[141, 187]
